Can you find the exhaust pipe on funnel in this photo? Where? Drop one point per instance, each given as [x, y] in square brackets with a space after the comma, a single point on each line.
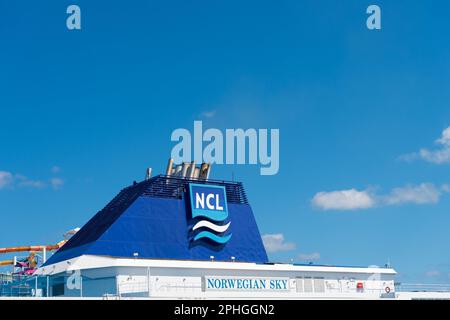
[204, 171]
[148, 175]
[185, 169]
[169, 167]
[192, 170]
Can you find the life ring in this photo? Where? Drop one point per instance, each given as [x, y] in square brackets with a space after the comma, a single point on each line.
[387, 289]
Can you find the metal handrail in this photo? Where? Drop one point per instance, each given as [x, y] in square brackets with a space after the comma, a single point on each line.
[422, 287]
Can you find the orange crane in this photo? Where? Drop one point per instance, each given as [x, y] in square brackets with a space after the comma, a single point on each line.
[31, 249]
[34, 249]
[6, 262]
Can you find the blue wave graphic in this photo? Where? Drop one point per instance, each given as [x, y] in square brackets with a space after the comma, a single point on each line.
[211, 214]
[213, 237]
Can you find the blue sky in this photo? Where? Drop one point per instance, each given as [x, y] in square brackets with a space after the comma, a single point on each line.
[83, 113]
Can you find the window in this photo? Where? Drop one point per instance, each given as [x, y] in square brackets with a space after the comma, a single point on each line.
[299, 285]
[308, 285]
[319, 285]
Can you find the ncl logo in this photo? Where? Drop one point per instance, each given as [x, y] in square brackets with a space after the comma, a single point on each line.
[209, 208]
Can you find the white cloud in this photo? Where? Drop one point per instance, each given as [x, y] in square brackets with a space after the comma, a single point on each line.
[208, 114]
[440, 155]
[6, 179]
[276, 243]
[309, 256]
[343, 200]
[23, 181]
[56, 169]
[56, 183]
[421, 194]
[437, 156]
[352, 199]
[445, 138]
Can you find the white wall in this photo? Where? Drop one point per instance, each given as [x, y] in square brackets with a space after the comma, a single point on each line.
[188, 282]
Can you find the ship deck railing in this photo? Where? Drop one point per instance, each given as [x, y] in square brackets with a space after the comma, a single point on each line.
[422, 287]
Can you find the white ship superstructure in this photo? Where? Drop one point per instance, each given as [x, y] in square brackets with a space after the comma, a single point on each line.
[217, 279]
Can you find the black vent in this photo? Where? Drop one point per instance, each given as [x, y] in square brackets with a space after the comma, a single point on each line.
[173, 187]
